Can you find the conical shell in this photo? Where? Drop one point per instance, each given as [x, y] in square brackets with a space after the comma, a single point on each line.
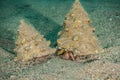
[77, 34]
[30, 43]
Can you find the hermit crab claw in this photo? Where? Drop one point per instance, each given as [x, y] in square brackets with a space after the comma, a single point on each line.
[59, 50]
[65, 54]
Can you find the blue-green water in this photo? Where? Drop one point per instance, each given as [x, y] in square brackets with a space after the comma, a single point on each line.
[47, 17]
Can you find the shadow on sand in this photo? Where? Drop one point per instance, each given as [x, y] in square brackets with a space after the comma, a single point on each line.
[43, 25]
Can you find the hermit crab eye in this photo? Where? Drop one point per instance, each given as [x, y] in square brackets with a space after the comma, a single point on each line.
[57, 47]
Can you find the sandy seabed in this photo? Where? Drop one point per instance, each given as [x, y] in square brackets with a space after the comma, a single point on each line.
[47, 16]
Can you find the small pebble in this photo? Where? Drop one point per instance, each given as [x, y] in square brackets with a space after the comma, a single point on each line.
[110, 19]
[75, 38]
[66, 29]
[12, 77]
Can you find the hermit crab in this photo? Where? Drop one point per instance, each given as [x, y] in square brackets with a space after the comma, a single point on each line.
[69, 55]
[77, 40]
[65, 54]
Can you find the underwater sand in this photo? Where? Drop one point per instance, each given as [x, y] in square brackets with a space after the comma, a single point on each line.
[47, 17]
